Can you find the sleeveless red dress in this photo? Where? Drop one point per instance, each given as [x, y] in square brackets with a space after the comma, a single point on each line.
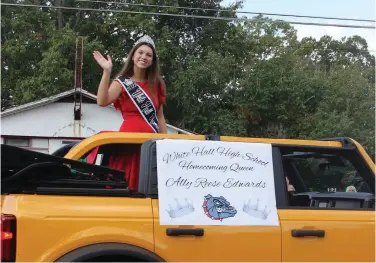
[128, 159]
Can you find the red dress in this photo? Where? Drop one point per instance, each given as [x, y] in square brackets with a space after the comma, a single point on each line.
[133, 121]
[128, 160]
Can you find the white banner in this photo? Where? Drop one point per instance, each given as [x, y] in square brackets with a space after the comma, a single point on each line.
[215, 183]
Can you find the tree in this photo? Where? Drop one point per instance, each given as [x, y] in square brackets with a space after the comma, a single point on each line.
[244, 78]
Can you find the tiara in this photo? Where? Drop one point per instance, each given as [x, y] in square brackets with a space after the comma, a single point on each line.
[145, 39]
[181, 209]
[253, 210]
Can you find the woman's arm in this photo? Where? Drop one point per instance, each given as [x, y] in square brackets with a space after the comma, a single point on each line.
[161, 120]
[107, 95]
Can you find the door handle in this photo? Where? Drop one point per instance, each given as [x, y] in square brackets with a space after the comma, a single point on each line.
[173, 232]
[307, 233]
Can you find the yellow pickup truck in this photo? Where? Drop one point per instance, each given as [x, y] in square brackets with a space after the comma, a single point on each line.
[57, 208]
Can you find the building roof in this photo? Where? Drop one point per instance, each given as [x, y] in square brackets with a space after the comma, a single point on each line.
[45, 101]
[60, 96]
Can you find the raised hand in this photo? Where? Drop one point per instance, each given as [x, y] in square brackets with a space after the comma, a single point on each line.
[106, 64]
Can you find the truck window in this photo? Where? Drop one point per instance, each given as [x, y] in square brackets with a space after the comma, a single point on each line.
[329, 173]
[316, 173]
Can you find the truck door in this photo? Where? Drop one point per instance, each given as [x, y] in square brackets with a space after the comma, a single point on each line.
[202, 243]
[329, 213]
[216, 243]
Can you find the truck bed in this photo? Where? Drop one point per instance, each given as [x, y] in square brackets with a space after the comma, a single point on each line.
[28, 172]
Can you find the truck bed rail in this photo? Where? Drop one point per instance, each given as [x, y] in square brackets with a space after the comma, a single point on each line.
[25, 171]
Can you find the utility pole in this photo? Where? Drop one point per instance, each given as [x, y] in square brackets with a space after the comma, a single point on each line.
[59, 3]
[78, 85]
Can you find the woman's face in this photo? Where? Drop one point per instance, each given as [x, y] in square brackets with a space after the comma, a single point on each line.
[143, 57]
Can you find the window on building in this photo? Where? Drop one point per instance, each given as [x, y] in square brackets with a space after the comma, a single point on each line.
[18, 142]
[33, 144]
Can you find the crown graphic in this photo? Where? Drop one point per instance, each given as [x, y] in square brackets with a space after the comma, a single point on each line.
[253, 210]
[180, 209]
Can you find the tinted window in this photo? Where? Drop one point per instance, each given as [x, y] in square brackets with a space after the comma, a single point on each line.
[323, 173]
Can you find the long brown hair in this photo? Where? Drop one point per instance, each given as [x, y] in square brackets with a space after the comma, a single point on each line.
[153, 73]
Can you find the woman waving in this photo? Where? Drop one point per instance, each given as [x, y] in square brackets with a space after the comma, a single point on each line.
[138, 92]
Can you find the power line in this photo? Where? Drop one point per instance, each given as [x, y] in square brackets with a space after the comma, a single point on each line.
[186, 16]
[315, 47]
[224, 10]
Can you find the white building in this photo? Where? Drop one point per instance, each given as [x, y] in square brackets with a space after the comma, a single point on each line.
[48, 124]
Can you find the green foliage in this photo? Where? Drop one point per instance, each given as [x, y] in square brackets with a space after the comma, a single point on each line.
[253, 78]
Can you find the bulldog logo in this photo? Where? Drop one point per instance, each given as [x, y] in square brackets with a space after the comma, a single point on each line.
[218, 208]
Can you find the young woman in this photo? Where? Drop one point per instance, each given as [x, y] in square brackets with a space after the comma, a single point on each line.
[138, 92]
[141, 67]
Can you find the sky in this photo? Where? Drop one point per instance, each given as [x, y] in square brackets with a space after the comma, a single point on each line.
[361, 9]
